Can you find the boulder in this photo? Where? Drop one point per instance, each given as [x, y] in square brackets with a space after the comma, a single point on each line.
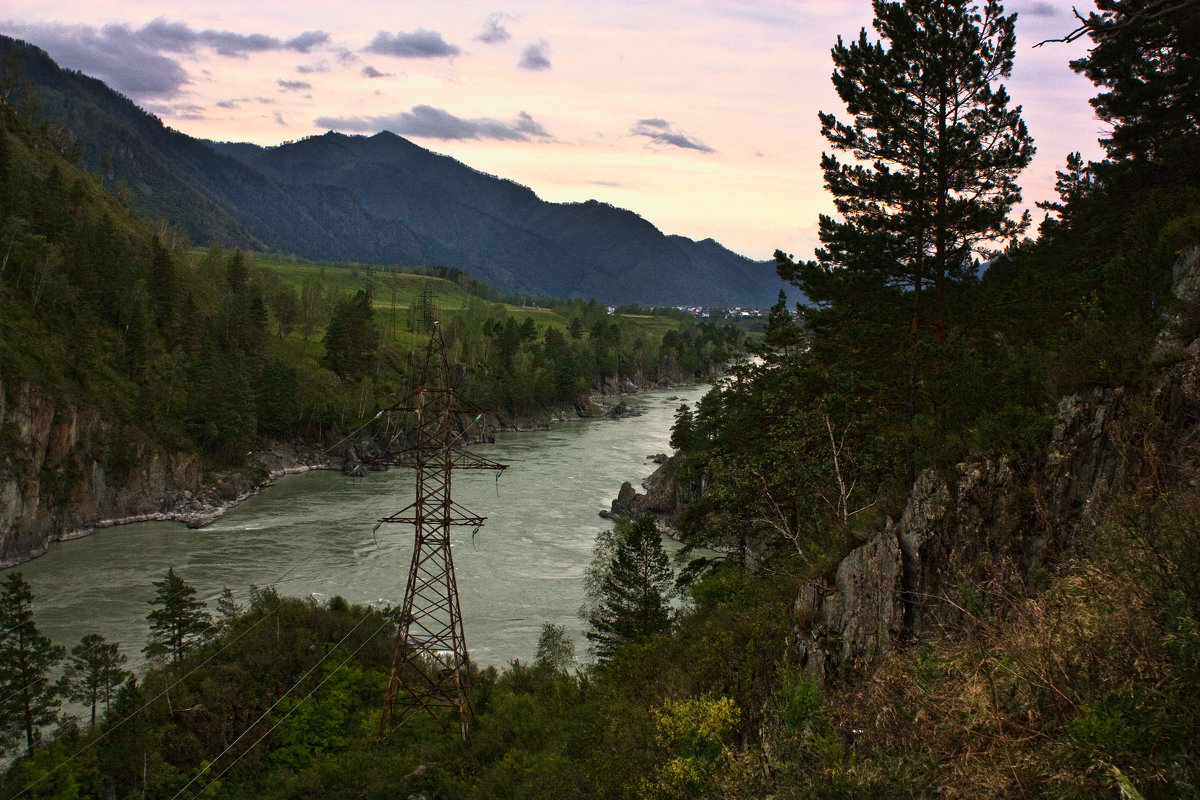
[626, 503]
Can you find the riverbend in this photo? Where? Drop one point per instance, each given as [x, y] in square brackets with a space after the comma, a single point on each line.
[315, 534]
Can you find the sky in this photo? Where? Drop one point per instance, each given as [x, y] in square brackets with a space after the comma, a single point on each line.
[698, 115]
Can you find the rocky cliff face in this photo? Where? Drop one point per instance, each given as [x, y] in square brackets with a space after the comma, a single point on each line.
[965, 546]
[65, 470]
[974, 542]
[965, 543]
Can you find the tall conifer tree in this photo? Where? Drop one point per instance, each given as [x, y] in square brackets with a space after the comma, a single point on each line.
[629, 583]
[28, 698]
[936, 151]
[178, 621]
[352, 338]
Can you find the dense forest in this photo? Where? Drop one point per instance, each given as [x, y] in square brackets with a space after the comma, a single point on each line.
[942, 330]
[208, 350]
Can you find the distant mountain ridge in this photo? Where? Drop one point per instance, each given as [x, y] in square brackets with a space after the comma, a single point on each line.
[383, 199]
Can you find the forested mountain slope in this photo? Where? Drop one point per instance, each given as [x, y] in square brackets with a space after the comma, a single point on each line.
[943, 534]
[381, 200]
[136, 377]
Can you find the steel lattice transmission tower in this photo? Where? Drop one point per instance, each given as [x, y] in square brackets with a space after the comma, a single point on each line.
[430, 666]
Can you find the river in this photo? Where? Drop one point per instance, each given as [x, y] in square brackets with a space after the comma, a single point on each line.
[312, 534]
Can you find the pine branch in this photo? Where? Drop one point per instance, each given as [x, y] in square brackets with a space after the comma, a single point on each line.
[1154, 11]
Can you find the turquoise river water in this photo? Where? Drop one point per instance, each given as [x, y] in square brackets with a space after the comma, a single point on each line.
[311, 534]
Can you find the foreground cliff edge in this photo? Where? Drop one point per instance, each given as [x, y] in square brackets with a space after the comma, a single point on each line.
[977, 539]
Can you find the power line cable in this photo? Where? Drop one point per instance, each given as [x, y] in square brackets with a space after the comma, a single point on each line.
[182, 678]
[148, 703]
[296, 684]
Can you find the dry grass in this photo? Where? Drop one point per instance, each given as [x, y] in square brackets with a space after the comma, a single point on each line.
[1091, 688]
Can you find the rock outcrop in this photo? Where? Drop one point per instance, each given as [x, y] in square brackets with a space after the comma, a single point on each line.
[623, 505]
[66, 471]
[965, 546]
[971, 543]
[666, 495]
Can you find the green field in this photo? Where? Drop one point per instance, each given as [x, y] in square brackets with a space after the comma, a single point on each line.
[396, 296]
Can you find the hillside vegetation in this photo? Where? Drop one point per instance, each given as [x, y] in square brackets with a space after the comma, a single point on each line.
[206, 350]
[1073, 672]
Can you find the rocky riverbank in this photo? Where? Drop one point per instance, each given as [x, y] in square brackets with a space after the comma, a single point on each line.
[66, 472]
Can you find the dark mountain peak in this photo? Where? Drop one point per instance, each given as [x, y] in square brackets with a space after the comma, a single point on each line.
[598, 209]
[323, 144]
[713, 244]
[384, 199]
[242, 151]
[391, 137]
[712, 248]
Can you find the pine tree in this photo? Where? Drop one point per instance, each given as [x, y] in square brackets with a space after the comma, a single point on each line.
[28, 698]
[237, 273]
[935, 147]
[529, 330]
[630, 581]
[683, 432]
[352, 337]
[178, 620]
[935, 152]
[1146, 53]
[783, 333]
[94, 672]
